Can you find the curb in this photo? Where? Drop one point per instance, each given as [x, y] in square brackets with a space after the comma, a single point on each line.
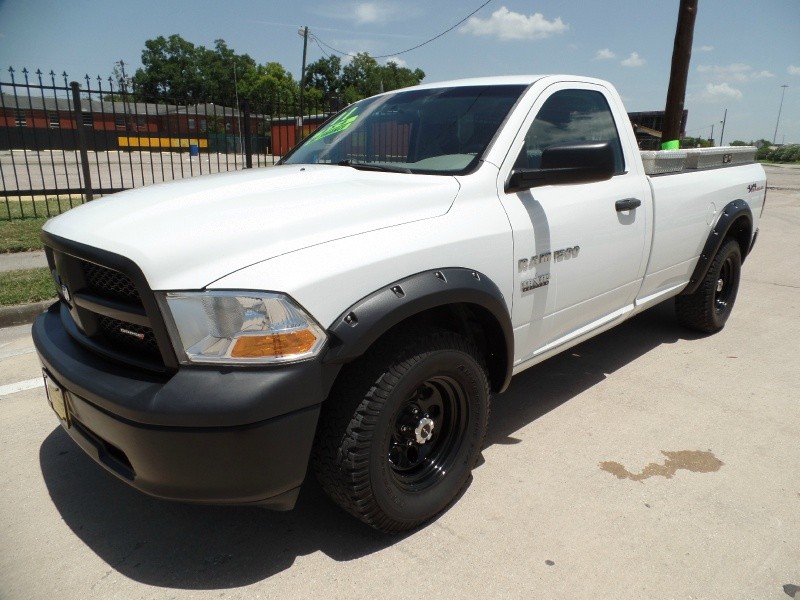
[22, 314]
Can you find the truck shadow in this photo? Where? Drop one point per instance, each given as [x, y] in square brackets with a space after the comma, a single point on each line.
[544, 387]
[182, 546]
[168, 544]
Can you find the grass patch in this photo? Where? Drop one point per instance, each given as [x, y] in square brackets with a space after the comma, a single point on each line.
[21, 221]
[21, 235]
[26, 285]
[26, 208]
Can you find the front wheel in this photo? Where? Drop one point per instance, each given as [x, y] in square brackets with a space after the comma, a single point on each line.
[402, 430]
[708, 308]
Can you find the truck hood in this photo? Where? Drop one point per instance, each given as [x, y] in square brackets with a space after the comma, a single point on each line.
[187, 234]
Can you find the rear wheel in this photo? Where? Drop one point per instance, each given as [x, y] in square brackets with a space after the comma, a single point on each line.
[402, 430]
[708, 308]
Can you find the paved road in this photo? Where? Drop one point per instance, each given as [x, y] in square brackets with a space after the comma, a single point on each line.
[646, 463]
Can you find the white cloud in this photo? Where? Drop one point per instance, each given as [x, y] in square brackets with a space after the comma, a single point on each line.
[373, 12]
[738, 72]
[634, 60]
[604, 54]
[397, 60]
[507, 25]
[792, 70]
[705, 48]
[721, 91]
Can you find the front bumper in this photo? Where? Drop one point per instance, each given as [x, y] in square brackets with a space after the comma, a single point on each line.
[203, 434]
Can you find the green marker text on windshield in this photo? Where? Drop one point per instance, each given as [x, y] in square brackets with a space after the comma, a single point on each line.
[339, 124]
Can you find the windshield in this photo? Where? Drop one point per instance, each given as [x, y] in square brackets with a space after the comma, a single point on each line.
[436, 131]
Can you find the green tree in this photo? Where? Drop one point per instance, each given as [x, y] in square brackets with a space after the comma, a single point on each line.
[739, 143]
[270, 83]
[324, 75]
[360, 78]
[785, 154]
[763, 152]
[692, 142]
[174, 68]
[222, 70]
[170, 68]
[395, 77]
[363, 77]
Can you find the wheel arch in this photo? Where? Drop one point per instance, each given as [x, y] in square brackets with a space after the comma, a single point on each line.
[735, 222]
[458, 299]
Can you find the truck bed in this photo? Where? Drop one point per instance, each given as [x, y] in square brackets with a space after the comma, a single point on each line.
[683, 221]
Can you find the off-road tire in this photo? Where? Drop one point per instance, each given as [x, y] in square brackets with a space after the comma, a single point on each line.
[368, 455]
[709, 306]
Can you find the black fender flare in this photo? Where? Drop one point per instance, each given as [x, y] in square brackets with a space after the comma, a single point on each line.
[358, 327]
[736, 219]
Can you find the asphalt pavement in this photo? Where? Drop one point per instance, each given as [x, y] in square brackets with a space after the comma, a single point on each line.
[648, 462]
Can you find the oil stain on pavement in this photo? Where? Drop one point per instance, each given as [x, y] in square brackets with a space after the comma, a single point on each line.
[696, 461]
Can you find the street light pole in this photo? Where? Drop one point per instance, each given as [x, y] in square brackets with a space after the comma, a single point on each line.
[722, 135]
[775, 137]
[125, 107]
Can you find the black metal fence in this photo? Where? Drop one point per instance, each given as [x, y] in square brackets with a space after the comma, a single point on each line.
[66, 142]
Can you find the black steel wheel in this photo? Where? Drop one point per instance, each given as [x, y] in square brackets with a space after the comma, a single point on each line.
[403, 428]
[708, 308]
[425, 432]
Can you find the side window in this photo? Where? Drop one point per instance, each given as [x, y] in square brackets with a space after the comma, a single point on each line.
[570, 116]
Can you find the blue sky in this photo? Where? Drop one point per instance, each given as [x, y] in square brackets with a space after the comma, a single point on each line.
[743, 50]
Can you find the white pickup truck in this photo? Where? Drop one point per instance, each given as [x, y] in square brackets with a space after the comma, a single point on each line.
[353, 307]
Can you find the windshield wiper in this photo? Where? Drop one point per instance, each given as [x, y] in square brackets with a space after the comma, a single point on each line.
[372, 167]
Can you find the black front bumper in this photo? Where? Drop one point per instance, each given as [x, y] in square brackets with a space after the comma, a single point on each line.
[210, 435]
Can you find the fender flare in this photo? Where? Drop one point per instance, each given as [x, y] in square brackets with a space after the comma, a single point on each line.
[736, 219]
[359, 326]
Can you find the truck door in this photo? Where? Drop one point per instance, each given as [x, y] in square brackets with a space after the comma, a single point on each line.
[578, 258]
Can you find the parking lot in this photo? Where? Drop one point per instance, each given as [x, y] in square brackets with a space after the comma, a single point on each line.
[649, 462]
[24, 170]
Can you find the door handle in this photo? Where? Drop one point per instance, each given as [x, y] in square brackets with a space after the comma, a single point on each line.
[627, 204]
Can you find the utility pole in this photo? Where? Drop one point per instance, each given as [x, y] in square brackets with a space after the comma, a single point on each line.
[679, 73]
[238, 109]
[304, 32]
[780, 108]
[722, 135]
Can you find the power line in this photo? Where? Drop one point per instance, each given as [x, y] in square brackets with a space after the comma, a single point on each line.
[436, 37]
[316, 41]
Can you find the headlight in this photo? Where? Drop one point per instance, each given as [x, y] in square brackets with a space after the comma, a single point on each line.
[242, 328]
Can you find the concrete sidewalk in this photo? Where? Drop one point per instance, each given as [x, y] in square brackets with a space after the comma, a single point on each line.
[22, 260]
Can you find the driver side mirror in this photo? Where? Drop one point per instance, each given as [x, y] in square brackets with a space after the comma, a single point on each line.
[573, 162]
